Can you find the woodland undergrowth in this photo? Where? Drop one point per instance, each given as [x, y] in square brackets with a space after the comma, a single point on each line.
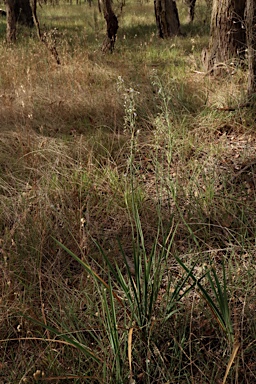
[127, 206]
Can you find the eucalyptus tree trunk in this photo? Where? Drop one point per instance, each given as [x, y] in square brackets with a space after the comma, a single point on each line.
[10, 21]
[228, 37]
[23, 12]
[251, 45]
[191, 10]
[17, 11]
[112, 26]
[167, 18]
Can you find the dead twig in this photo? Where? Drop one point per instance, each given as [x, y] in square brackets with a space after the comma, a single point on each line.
[44, 37]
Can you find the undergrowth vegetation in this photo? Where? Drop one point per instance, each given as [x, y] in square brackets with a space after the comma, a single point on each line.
[127, 206]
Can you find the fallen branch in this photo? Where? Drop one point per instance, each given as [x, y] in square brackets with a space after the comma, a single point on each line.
[232, 109]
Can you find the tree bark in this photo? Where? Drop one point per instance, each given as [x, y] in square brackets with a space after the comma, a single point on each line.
[112, 26]
[191, 10]
[10, 21]
[228, 38]
[167, 18]
[23, 13]
[251, 46]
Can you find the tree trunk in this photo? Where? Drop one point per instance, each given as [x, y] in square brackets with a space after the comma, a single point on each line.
[191, 10]
[251, 45]
[228, 38]
[10, 21]
[23, 13]
[112, 26]
[167, 18]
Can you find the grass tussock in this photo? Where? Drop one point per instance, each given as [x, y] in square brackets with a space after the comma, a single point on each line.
[127, 210]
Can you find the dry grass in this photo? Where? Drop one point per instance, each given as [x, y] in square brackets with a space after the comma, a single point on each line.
[70, 170]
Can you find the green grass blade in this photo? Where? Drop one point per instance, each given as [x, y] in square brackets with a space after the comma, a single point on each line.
[68, 339]
[214, 309]
[88, 269]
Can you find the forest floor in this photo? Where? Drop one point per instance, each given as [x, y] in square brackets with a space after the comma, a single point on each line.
[127, 205]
